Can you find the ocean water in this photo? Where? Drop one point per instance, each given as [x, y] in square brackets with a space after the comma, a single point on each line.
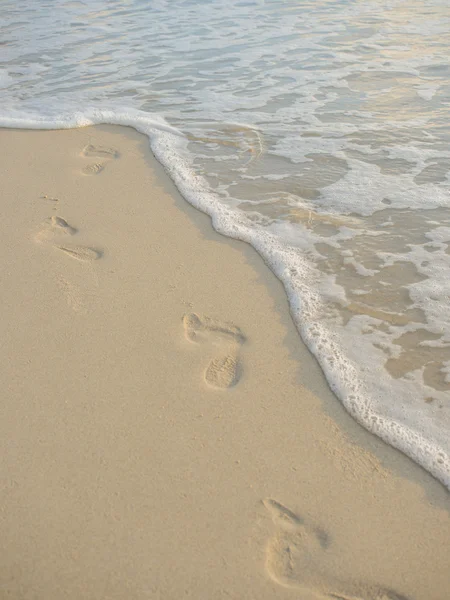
[316, 130]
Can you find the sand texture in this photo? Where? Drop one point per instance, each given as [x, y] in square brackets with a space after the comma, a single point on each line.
[164, 432]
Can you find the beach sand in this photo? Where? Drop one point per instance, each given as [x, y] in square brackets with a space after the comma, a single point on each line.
[165, 434]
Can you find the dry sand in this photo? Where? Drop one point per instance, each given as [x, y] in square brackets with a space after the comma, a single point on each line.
[165, 433]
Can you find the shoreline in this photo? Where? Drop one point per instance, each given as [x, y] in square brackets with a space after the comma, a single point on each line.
[404, 434]
[104, 259]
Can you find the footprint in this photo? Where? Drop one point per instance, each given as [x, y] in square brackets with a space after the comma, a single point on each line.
[195, 327]
[83, 253]
[296, 558]
[224, 371]
[54, 229]
[54, 226]
[104, 152]
[60, 225]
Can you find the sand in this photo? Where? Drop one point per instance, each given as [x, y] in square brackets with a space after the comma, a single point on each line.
[164, 431]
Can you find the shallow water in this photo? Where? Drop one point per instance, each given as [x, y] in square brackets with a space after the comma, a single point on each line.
[317, 131]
